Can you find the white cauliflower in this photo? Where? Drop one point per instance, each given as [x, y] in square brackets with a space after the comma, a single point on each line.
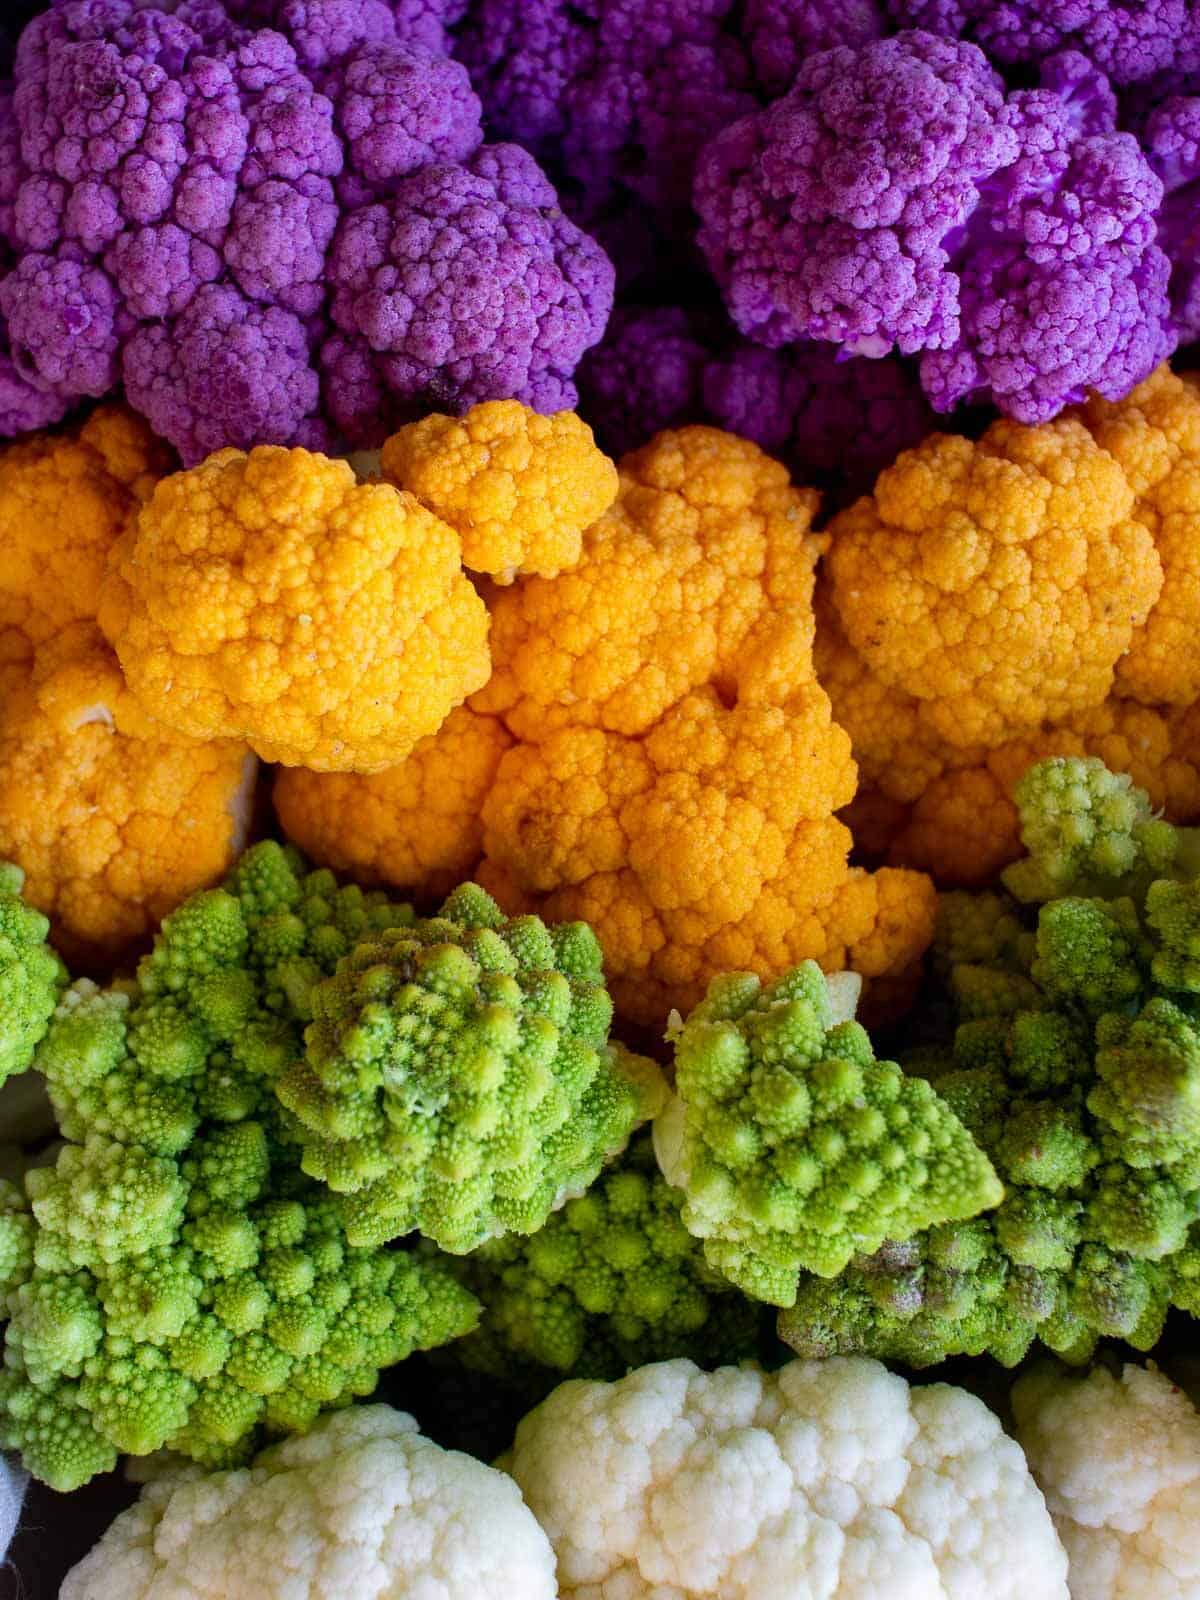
[1119, 1462]
[361, 1508]
[829, 1480]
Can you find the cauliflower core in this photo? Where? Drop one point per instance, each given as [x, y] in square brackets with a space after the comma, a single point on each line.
[361, 1506]
[829, 1479]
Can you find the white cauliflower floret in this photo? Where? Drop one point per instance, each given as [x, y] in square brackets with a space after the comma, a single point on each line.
[1119, 1462]
[828, 1480]
[361, 1508]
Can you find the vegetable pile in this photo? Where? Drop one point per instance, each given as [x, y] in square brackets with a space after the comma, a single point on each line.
[600, 796]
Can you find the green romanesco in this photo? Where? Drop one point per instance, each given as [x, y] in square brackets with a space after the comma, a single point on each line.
[797, 1149]
[181, 1283]
[613, 1281]
[31, 975]
[458, 1078]
[1082, 1083]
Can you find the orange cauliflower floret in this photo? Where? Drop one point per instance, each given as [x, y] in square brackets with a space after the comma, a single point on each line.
[271, 598]
[706, 559]
[678, 764]
[113, 822]
[998, 582]
[64, 501]
[1154, 433]
[519, 488]
[418, 825]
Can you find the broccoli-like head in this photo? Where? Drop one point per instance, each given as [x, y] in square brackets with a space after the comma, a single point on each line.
[31, 975]
[180, 1283]
[795, 1148]
[457, 1076]
[613, 1281]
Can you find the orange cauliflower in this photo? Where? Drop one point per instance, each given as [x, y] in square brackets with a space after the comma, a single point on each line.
[677, 763]
[705, 560]
[417, 825]
[272, 599]
[113, 822]
[998, 582]
[1154, 433]
[64, 501]
[519, 488]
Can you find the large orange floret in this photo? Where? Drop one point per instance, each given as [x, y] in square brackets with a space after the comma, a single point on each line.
[705, 560]
[271, 598]
[998, 581]
[678, 763]
[417, 826]
[113, 822]
[1154, 433]
[518, 487]
[64, 502]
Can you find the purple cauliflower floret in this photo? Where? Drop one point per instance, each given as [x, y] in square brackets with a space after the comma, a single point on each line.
[1173, 146]
[783, 33]
[170, 198]
[1129, 42]
[466, 283]
[647, 374]
[896, 198]
[825, 216]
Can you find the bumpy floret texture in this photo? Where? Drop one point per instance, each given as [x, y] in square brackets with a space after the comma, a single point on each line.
[1016, 248]
[677, 764]
[64, 502]
[1075, 1064]
[518, 488]
[31, 975]
[420, 1514]
[113, 819]
[458, 1079]
[272, 598]
[832, 1474]
[983, 577]
[1116, 1457]
[795, 1147]
[184, 188]
[611, 1282]
[188, 1286]
[1172, 140]
[417, 826]
[465, 284]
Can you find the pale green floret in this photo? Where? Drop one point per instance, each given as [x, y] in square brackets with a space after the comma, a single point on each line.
[181, 1283]
[31, 975]
[612, 1281]
[457, 1077]
[794, 1147]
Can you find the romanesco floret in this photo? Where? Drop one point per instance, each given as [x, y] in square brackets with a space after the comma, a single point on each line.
[458, 1078]
[1082, 1084]
[613, 1281]
[185, 1285]
[795, 1147]
[31, 975]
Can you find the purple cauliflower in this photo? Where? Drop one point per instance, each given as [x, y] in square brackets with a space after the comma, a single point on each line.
[467, 282]
[1129, 40]
[897, 198]
[180, 198]
[1173, 146]
[783, 33]
[833, 420]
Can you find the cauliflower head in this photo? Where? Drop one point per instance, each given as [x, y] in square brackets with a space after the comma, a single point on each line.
[1118, 1459]
[64, 502]
[1000, 582]
[31, 975]
[113, 819]
[519, 488]
[418, 826]
[363, 1504]
[269, 597]
[828, 1477]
